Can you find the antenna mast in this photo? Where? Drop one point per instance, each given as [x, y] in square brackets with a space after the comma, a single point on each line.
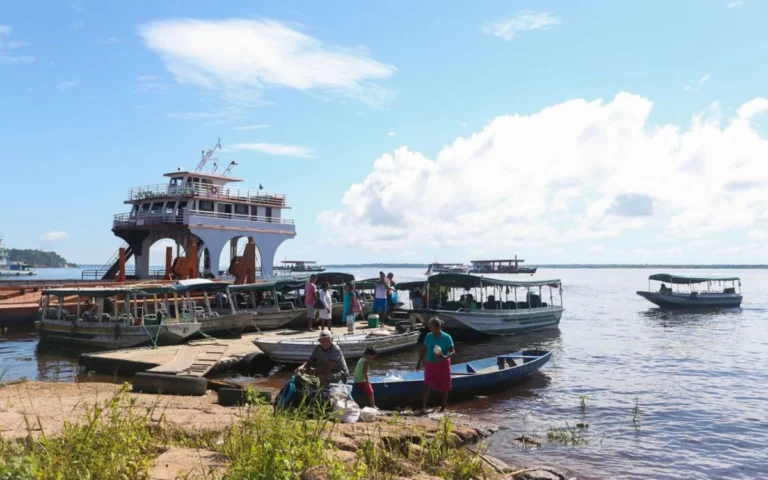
[229, 167]
[207, 156]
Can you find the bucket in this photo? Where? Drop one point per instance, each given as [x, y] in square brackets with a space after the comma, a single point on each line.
[373, 321]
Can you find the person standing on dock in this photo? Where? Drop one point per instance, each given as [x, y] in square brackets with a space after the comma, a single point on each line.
[438, 349]
[351, 307]
[310, 297]
[326, 312]
[382, 294]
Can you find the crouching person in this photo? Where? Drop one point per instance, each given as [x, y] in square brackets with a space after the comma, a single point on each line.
[327, 361]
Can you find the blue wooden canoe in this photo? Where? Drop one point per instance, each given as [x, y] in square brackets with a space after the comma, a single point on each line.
[478, 377]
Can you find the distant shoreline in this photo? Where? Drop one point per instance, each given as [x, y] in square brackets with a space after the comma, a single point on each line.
[570, 265]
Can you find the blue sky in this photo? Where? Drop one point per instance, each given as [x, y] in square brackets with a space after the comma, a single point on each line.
[392, 126]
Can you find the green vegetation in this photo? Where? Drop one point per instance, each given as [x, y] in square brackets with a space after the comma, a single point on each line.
[37, 258]
[119, 440]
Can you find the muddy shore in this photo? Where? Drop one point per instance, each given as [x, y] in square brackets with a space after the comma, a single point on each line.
[42, 408]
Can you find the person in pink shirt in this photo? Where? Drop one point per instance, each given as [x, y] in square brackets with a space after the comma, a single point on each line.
[310, 298]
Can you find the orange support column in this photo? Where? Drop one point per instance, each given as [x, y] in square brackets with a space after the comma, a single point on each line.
[192, 260]
[168, 262]
[121, 266]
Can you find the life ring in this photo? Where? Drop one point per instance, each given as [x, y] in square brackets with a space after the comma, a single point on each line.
[214, 190]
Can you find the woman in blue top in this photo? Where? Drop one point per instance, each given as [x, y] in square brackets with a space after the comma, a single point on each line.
[349, 312]
[438, 349]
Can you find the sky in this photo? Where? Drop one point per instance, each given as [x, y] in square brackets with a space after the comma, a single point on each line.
[563, 132]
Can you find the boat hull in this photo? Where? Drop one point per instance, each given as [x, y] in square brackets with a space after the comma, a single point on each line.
[688, 301]
[488, 378]
[270, 318]
[495, 322]
[116, 336]
[298, 351]
[233, 323]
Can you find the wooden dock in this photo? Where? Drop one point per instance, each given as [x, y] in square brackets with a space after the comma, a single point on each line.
[196, 358]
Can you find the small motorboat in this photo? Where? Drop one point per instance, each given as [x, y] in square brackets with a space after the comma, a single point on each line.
[352, 345]
[477, 377]
[698, 292]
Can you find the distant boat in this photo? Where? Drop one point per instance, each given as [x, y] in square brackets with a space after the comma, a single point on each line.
[12, 269]
[434, 268]
[477, 377]
[501, 266]
[488, 306]
[297, 266]
[702, 292]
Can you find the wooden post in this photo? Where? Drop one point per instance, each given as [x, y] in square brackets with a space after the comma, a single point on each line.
[168, 262]
[121, 266]
[192, 260]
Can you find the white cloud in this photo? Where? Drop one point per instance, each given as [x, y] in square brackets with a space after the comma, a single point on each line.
[596, 249]
[275, 149]
[67, 84]
[687, 88]
[243, 57]
[699, 83]
[758, 235]
[703, 80]
[229, 113]
[6, 46]
[464, 125]
[736, 3]
[575, 171]
[752, 108]
[53, 236]
[391, 134]
[508, 28]
[252, 127]
[109, 41]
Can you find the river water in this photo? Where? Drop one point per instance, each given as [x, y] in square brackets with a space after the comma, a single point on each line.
[664, 394]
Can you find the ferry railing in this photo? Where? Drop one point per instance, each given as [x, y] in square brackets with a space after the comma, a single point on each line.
[148, 192]
[241, 217]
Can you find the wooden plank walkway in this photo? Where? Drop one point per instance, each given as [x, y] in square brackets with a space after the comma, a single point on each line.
[194, 360]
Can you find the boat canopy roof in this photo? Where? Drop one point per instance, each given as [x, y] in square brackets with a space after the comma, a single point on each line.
[104, 292]
[334, 278]
[684, 280]
[466, 281]
[278, 285]
[199, 284]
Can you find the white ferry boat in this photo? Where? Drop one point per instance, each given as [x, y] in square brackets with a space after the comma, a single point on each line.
[12, 269]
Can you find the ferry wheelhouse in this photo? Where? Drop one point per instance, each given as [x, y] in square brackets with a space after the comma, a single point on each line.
[446, 268]
[696, 292]
[201, 211]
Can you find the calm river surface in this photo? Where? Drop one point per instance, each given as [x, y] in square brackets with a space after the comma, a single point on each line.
[696, 384]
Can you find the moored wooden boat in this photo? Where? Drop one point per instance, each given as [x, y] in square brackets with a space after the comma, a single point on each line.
[261, 302]
[477, 377]
[112, 318]
[496, 307]
[352, 345]
[701, 292]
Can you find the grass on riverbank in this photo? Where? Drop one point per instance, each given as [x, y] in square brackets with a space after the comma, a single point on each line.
[117, 439]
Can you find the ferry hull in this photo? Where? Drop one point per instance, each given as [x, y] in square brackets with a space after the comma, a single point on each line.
[689, 301]
[496, 322]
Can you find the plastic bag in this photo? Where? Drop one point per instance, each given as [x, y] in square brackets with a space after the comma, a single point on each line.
[368, 414]
[346, 410]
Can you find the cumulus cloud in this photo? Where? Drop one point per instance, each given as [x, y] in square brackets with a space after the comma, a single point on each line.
[252, 127]
[53, 236]
[736, 3]
[596, 249]
[8, 48]
[275, 149]
[242, 57]
[758, 235]
[67, 84]
[391, 134]
[508, 28]
[574, 171]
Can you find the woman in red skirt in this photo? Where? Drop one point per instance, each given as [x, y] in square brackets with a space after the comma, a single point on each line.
[438, 349]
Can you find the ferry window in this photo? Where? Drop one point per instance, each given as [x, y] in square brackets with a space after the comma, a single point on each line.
[175, 182]
[182, 207]
[157, 207]
[207, 181]
[144, 208]
[254, 210]
[241, 209]
[206, 206]
[269, 214]
[134, 210]
[169, 208]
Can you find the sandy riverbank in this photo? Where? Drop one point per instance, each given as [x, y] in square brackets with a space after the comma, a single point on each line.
[43, 408]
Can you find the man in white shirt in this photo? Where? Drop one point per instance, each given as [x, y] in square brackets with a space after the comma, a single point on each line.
[380, 300]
